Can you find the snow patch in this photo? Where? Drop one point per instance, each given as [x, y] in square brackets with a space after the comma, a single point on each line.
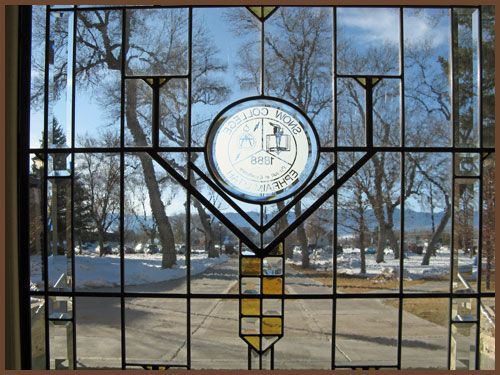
[92, 271]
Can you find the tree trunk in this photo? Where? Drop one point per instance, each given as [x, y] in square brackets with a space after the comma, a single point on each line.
[165, 231]
[393, 241]
[431, 248]
[282, 225]
[380, 243]
[361, 245]
[100, 239]
[207, 228]
[302, 237]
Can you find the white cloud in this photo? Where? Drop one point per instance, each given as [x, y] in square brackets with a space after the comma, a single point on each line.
[419, 27]
[370, 24]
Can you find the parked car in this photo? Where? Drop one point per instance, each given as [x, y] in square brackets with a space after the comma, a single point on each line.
[106, 250]
[152, 249]
[129, 250]
[370, 250]
[181, 249]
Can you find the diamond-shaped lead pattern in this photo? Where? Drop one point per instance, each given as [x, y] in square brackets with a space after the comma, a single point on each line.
[253, 242]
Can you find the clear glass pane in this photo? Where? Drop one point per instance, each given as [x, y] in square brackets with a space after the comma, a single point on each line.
[156, 330]
[97, 220]
[37, 75]
[368, 40]
[351, 113]
[427, 263]
[467, 164]
[61, 345]
[488, 265]
[307, 341]
[309, 249]
[488, 66]
[487, 335]
[214, 335]
[463, 309]
[37, 307]
[387, 113]
[138, 113]
[465, 76]
[369, 225]
[173, 114]
[36, 228]
[98, 333]
[463, 346]
[60, 79]
[60, 308]
[425, 334]
[225, 63]
[157, 41]
[59, 249]
[298, 43]
[427, 61]
[465, 241]
[373, 339]
[154, 228]
[97, 86]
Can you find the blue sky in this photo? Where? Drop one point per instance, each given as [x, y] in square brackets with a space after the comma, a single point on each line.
[364, 26]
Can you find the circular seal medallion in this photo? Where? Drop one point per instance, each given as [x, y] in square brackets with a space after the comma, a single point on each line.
[262, 149]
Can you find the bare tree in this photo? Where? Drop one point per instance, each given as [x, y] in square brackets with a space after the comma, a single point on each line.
[298, 68]
[156, 43]
[99, 174]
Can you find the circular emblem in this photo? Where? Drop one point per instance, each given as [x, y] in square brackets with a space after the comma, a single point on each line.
[262, 149]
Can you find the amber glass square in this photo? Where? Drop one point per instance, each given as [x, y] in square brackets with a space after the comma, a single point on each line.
[271, 326]
[272, 285]
[250, 266]
[250, 306]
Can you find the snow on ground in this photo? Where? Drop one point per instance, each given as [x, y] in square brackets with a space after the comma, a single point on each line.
[349, 263]
[93, 271]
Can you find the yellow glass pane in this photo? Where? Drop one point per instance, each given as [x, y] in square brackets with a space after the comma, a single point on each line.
[362, 81]
[254, 341]
[272, 285]
[266, 11]
[256, 10]
[278, 250]
[375, 80]
[250, 266]
[250, 306]
[271, 326]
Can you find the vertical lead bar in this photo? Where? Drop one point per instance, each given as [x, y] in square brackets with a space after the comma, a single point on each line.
[369, 111]
[122, 190]
[335, 195]
[403, 185]
[452, 247]
[479, 254]
[156, 111]
[73, 90]
[23, 126]
[188, 194]
[45, 160]
[262, 61]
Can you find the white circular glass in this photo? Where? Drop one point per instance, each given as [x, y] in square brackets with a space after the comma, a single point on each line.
[262, 150]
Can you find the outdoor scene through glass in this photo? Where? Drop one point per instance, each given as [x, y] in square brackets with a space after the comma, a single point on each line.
[260, 187]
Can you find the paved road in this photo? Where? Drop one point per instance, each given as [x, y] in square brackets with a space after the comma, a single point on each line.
[156, 329]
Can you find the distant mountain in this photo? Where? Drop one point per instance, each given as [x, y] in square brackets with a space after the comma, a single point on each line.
[414, 220]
